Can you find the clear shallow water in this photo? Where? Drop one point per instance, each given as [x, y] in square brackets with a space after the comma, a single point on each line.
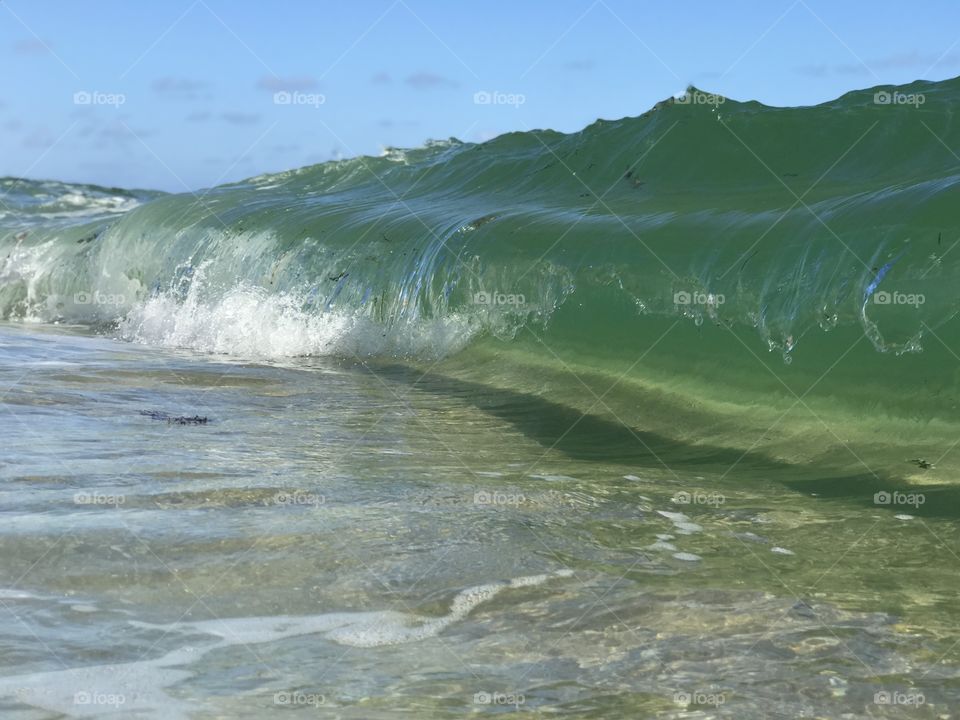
[362, 540]
[628, 427]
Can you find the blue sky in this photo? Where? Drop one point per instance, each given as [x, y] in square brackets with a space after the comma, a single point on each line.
[183, 94]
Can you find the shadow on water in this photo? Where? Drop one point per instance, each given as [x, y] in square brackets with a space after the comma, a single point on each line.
[596, 439]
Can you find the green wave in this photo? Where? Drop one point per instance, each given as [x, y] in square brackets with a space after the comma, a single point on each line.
[775, 279]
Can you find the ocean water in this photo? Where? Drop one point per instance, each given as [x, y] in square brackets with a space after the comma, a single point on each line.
[656, 419]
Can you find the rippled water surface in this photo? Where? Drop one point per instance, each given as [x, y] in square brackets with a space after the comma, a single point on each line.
[363, 540]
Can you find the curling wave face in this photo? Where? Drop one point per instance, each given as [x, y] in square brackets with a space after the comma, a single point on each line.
[705, 236]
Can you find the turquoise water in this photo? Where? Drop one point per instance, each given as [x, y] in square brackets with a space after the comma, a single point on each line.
[656, 419]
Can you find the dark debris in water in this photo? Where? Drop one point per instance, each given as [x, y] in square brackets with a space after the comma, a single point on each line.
[89, 238]
[803, 609]
[635, 182]
[175, 419]
[921, 463]
[480, 221]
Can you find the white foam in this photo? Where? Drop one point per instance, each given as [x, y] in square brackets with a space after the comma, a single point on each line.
[662, 545]
[251, 322]
[106, 690]
[141, 685]
[781, 551]
[76, 205]
[688, 557]
[10, 594]
[357, 629]
[115, 203]
[681, 522]
[84, 608]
